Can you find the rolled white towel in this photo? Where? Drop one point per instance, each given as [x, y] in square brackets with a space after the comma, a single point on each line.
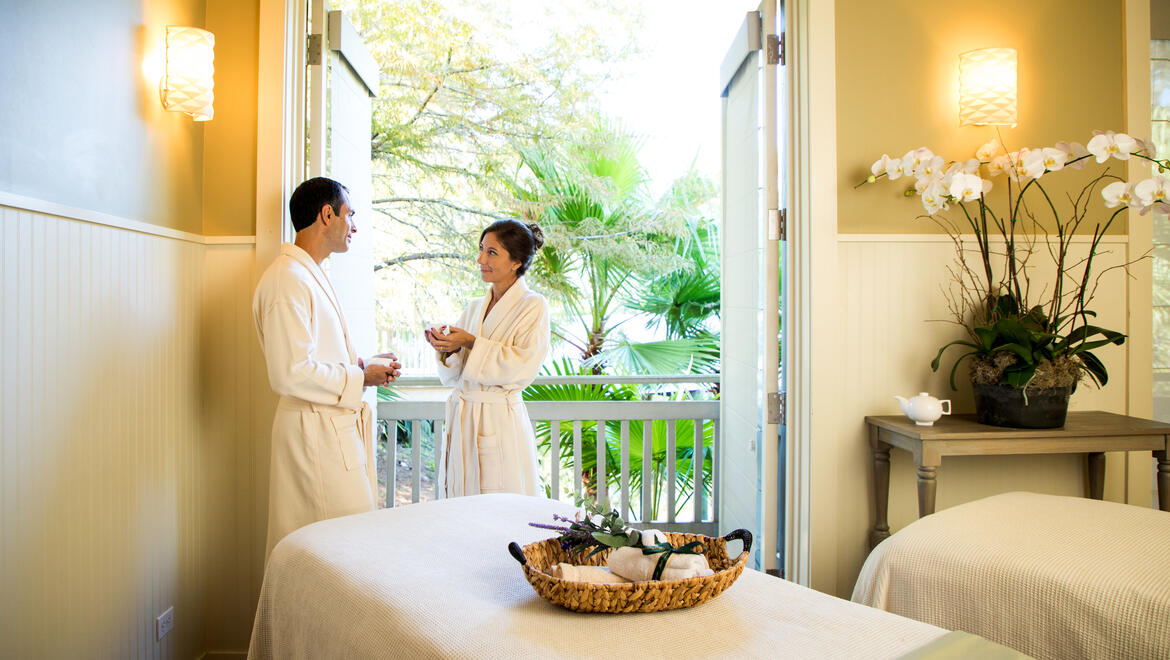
[652, 537]
[631, 564]
[595, 574]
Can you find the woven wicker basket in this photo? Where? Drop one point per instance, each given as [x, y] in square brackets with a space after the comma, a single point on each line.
[650, 596]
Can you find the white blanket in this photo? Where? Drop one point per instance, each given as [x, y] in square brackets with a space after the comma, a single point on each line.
[1054, 577]
[435, 580]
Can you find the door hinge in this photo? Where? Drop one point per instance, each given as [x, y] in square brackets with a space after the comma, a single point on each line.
[776, 49]
[777, 225]
[314, 54]
[776, 405]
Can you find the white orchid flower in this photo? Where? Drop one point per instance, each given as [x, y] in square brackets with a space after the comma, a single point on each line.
[924, 181]
[1033, 164]
[998, 165]
[949, 175]
[1117, 145]
[1074, 151]
[966, 187]
[880, 165]
[931, 167]
[988, 151]
[913, 160]
[894, 168]
[1015, 168]
[1118, 193]
[929, 172]
[1054, 159]
[970, 166]
[1153, 191]
[934, 198]
[1147, 147]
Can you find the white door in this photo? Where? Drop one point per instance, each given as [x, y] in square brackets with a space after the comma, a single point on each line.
[343, 78]
[750, 448]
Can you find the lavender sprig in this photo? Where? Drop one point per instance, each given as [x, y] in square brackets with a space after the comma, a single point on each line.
[608, 531]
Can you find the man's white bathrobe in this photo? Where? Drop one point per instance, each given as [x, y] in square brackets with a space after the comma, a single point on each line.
[490, 445]
[322, 462]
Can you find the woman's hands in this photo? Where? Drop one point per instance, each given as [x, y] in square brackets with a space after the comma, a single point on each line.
[452, 342]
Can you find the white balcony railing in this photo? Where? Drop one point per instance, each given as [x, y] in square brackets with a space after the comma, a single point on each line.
[687, 505]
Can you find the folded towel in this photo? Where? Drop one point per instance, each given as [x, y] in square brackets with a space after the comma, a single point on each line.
[631, 564]
[595, 574]
[652, 537]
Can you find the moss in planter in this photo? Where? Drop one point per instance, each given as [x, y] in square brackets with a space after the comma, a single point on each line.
[1064, 371]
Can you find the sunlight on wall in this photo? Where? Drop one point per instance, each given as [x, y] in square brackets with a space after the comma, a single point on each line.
[897, 85]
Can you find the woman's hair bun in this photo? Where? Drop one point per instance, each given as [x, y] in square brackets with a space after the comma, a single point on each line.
[537, 235]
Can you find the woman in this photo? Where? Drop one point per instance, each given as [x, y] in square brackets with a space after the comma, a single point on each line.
[489, 356]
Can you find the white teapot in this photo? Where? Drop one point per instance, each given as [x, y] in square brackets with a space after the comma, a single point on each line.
[924, 409]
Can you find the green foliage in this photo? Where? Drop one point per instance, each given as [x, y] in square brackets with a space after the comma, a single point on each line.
[1030, 338]
[698, 354]
[465, 85]
[1025, 330]
[598, 529]
[610, 246]
[658, 461]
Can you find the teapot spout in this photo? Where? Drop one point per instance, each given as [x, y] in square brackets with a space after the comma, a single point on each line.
[903, 402]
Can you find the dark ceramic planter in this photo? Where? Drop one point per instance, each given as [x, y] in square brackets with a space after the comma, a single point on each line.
[1002, 405]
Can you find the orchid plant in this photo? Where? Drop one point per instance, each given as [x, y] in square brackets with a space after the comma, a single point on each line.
[1016, 336]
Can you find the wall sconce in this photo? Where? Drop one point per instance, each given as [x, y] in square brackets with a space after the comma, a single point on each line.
[987, 87]
[186, 85]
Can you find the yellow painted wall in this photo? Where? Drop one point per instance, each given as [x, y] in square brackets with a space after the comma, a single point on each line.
[229, 141]
[134, 408]
[897, 88]
[80, 121]
[1160, 19]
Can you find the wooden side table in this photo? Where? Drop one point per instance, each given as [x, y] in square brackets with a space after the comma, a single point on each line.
[1092, 433]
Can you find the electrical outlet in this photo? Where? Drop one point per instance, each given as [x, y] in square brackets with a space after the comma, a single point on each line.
[165, 622]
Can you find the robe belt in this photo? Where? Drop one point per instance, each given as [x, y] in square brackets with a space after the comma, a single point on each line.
[293, 403]
[483, 396]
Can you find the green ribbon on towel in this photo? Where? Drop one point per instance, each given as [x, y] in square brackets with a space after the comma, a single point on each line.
[667, 550]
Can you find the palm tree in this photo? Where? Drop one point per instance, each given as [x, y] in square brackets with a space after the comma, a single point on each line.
[658, 459]
[603, 233]
[683, 300]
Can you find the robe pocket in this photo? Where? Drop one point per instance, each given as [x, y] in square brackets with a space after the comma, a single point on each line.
[350, 441]
[491, 463]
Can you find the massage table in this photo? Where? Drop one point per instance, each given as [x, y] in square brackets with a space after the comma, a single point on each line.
[435, 579]
[1053, 577]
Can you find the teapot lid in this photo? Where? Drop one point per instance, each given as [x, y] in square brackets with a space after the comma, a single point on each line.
[924, 394]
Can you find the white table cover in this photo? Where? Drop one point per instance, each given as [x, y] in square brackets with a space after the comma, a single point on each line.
[436, 580]
[1054, 577]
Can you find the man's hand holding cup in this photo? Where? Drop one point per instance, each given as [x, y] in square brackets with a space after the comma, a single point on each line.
[381, 369]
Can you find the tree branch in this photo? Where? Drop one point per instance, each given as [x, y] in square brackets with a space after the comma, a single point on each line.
[415, 257]
[441, 202]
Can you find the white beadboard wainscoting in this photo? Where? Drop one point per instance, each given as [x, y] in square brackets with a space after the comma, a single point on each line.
[892, 316]
[127, 438]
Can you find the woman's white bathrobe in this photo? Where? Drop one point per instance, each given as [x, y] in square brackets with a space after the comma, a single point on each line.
[490, 446]
[322, 463]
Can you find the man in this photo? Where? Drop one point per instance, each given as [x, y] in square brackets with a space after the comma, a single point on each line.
[322, 462]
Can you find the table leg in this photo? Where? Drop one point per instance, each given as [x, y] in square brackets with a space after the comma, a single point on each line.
[881, 488]
[1163, 457]
[1095, 463]
[926, 489]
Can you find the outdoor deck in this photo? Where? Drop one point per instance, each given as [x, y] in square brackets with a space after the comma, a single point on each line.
[684, 499]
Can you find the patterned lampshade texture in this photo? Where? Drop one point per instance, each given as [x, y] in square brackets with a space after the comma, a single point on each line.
[187, 83]
[987, 87]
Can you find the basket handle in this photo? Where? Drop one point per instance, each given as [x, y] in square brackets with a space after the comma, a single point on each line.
[514, 548]
[742, 535]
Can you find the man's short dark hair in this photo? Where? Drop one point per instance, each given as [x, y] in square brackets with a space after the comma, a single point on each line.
[307, 200]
